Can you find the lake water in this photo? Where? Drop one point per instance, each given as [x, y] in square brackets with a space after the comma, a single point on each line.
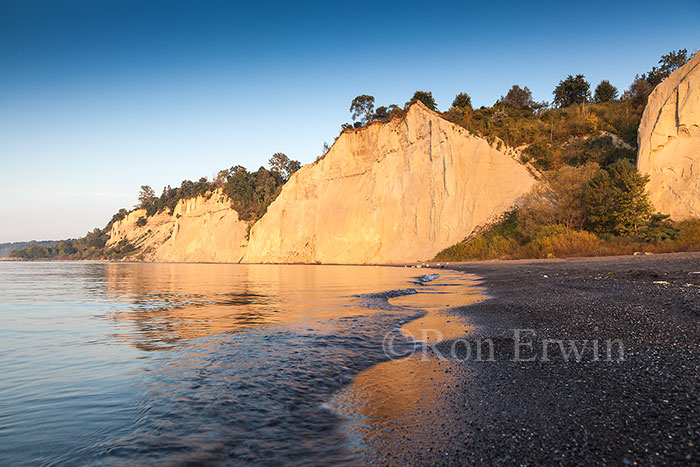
[203, 363]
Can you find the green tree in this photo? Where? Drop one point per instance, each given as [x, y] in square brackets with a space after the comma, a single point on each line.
[382, 114]
[425, 97]
[252, 192]
[669, 63]
[146, 197]
[659, 228]
[558, 198]
[66, 248]
[605, 92]
[362, 107]
[283, 165]
[616, 200]
[638, 92]
[462, 101]
[572, 90]
[518, 98]
[96, 238]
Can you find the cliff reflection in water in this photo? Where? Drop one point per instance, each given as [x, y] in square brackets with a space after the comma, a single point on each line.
[175, 302]
[199, 363]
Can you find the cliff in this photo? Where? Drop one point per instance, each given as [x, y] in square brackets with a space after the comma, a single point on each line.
[669, 142]
[201, 229]
[386, 193]
[393, 192]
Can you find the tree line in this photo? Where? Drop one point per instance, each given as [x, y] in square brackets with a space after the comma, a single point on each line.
[570, 91]
[576, 127]
[250, 194]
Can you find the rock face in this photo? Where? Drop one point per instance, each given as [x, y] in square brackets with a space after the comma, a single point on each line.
[669, 143]
[387, 193]
[202, 229]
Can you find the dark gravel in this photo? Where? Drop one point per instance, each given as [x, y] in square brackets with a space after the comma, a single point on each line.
[642, 410]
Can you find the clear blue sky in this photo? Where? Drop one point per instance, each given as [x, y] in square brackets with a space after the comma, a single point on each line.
[100, 97]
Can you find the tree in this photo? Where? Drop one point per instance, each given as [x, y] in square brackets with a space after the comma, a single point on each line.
[605, 92]
[362, 107]
[425, 97]
[462, 101]
[146, 197]
[558, 197]
[638, 92]
[616, 200]
[283, 165]
[659, 228]
[572, 90]
[669, 63]
[252, 192]
[381, 114]
[325, 149]
[66, 248]
[519, 98]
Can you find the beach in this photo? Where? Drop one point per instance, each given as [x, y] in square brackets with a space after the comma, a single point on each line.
[639, 405]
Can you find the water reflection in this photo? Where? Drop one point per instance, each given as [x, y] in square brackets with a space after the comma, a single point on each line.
[176, 302]
[187, 363]
[391, 409]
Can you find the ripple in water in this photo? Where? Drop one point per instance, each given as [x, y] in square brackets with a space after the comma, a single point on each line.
[183, 363]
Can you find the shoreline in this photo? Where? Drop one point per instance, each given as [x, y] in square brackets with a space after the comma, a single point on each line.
[641, 408]
[456, 265]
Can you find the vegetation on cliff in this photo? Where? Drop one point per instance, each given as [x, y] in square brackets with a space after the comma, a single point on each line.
[250, 194]
[91, 246]
[580, 211]
[590, 200]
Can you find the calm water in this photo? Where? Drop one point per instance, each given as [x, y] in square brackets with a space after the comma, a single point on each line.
[183, 363]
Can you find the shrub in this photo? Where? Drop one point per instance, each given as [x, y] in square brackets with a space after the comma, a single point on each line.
[560, 241]
[659, 229]
[616, 201]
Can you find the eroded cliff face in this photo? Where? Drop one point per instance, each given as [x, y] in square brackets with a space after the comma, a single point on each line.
[387, 193]
[669, 143]
[202, 229]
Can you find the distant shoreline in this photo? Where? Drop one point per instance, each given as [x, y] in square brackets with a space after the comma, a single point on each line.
[458, 265]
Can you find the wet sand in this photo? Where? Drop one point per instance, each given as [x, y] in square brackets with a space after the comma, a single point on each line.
[639, 406]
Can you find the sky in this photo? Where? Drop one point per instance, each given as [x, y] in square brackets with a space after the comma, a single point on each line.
[99, 97]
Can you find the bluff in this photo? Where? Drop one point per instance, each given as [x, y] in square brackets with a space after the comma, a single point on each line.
[669, 142]
[201, 229]
[389, 192]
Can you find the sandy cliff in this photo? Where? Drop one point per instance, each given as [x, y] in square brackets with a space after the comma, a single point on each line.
[669, 142]
[394, 192]
[202, 229]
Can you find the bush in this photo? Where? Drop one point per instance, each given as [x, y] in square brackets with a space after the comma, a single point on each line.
[659, 229]
[560, 241]
[616, 200]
